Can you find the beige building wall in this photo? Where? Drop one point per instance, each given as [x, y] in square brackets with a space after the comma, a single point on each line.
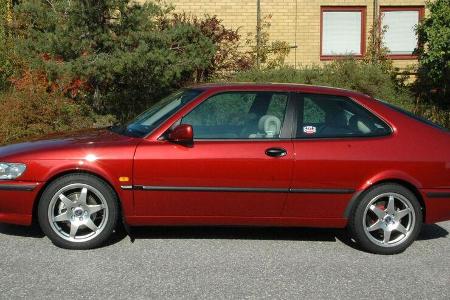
[294, 21]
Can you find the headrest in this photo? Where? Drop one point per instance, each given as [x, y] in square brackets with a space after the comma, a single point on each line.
[337, 120]
[270, 125]
[357, 124]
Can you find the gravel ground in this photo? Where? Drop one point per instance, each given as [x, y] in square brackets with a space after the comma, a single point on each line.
[217, 262]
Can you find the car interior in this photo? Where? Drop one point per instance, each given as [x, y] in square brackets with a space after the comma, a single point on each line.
[333, 116]
[260, 115]
[239, 116]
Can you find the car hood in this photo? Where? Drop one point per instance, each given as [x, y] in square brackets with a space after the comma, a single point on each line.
[67, 145]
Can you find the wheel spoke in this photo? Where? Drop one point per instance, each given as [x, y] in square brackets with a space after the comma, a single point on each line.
[95, 208]
[61, 217]
[400, 228]
[391, 205]
[402, 213]
[375, 226]
[73, 230]
[387, 236]
[380, 213]
[83, 196]
[67, 202]
[90, 224]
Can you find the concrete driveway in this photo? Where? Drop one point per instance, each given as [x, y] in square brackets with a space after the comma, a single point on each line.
[224, 263]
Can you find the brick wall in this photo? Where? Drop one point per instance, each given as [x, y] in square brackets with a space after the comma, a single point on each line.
[294, 21]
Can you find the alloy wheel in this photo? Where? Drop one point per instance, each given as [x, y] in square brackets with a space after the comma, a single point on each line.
[78, 212]
[389, 219]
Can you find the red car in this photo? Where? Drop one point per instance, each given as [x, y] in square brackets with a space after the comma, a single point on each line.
[238, 154]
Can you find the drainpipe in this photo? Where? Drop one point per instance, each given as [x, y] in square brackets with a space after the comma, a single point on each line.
[375, 11]
[258, 32]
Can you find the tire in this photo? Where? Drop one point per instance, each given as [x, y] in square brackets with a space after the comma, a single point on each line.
[78, 211]
[387, 219]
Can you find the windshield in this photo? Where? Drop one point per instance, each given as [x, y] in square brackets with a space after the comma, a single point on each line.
[157, 114]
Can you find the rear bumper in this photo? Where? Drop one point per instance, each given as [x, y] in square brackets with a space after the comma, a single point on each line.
[437, 205]
[17, 200]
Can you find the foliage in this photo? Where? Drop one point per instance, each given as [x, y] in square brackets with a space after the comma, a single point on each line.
[377, 52]
[271, 54]
[6, 67]
[368, 78]
[33, 108]
[120, 55]
[228, 57]
[433, 82]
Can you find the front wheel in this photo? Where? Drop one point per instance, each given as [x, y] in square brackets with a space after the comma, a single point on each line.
[387, 220]
[78, 211]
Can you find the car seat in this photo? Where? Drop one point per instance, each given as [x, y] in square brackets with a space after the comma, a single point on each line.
[268, 127]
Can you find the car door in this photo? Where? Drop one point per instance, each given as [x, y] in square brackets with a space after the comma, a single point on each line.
[336, 145]
[240, 163]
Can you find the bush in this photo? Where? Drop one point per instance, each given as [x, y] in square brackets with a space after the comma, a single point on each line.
[119, 55]
[6, 67]
[32, 108]
[433, 84]
[227, 57]
[367, 78]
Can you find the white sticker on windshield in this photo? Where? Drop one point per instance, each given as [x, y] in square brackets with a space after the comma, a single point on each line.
[309, 129]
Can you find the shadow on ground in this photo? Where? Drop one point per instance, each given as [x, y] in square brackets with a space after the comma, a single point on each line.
[429, 232]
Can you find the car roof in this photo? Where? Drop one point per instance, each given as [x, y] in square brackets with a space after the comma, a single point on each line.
[292, 87]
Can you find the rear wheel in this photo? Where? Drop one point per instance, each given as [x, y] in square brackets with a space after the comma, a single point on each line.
[78, 211]
[387, 220]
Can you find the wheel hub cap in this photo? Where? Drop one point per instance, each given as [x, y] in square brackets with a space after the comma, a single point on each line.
[78, 212]
[389, 220]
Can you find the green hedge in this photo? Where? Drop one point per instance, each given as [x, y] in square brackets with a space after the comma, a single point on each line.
[349, 74]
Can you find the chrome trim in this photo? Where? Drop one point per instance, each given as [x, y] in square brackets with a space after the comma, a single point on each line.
[235, 189]
[209, 189]
[322, 191]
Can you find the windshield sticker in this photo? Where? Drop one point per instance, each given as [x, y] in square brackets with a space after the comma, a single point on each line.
[309, 129]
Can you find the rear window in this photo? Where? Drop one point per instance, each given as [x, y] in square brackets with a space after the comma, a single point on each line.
[411, 115]
[329, 116]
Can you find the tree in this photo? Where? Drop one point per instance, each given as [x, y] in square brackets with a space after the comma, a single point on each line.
[264, 52]
[433, 82]
[6, 68]
[116, 55]
[377, 52]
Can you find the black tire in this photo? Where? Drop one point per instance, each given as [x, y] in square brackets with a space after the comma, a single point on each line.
[108, 225]
[361, 214]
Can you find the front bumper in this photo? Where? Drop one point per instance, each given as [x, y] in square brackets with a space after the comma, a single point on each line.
[17, 200]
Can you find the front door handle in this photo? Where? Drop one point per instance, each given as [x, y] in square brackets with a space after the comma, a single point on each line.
[276, 152]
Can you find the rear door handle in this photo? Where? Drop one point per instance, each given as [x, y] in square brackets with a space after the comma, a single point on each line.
[276, 152]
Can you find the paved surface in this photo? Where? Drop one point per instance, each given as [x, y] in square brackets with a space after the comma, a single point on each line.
[223, 263]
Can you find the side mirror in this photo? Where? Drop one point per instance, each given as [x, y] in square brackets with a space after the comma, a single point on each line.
[182, 134]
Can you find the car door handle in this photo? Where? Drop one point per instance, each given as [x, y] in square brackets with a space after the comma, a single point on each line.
[276, 152]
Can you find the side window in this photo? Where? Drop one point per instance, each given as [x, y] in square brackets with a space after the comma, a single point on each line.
[323, 116]
[239, 115]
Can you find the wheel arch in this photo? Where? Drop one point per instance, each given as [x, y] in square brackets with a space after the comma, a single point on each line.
[410, 186]
[69, 172]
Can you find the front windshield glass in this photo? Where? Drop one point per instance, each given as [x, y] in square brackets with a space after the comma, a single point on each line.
[157, 114]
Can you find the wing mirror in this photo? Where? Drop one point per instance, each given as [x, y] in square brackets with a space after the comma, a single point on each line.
[182, 134]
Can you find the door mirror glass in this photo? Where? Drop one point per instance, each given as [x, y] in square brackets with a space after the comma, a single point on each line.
[182, 134]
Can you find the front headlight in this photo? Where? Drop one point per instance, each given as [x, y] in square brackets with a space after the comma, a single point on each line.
[11, 170]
